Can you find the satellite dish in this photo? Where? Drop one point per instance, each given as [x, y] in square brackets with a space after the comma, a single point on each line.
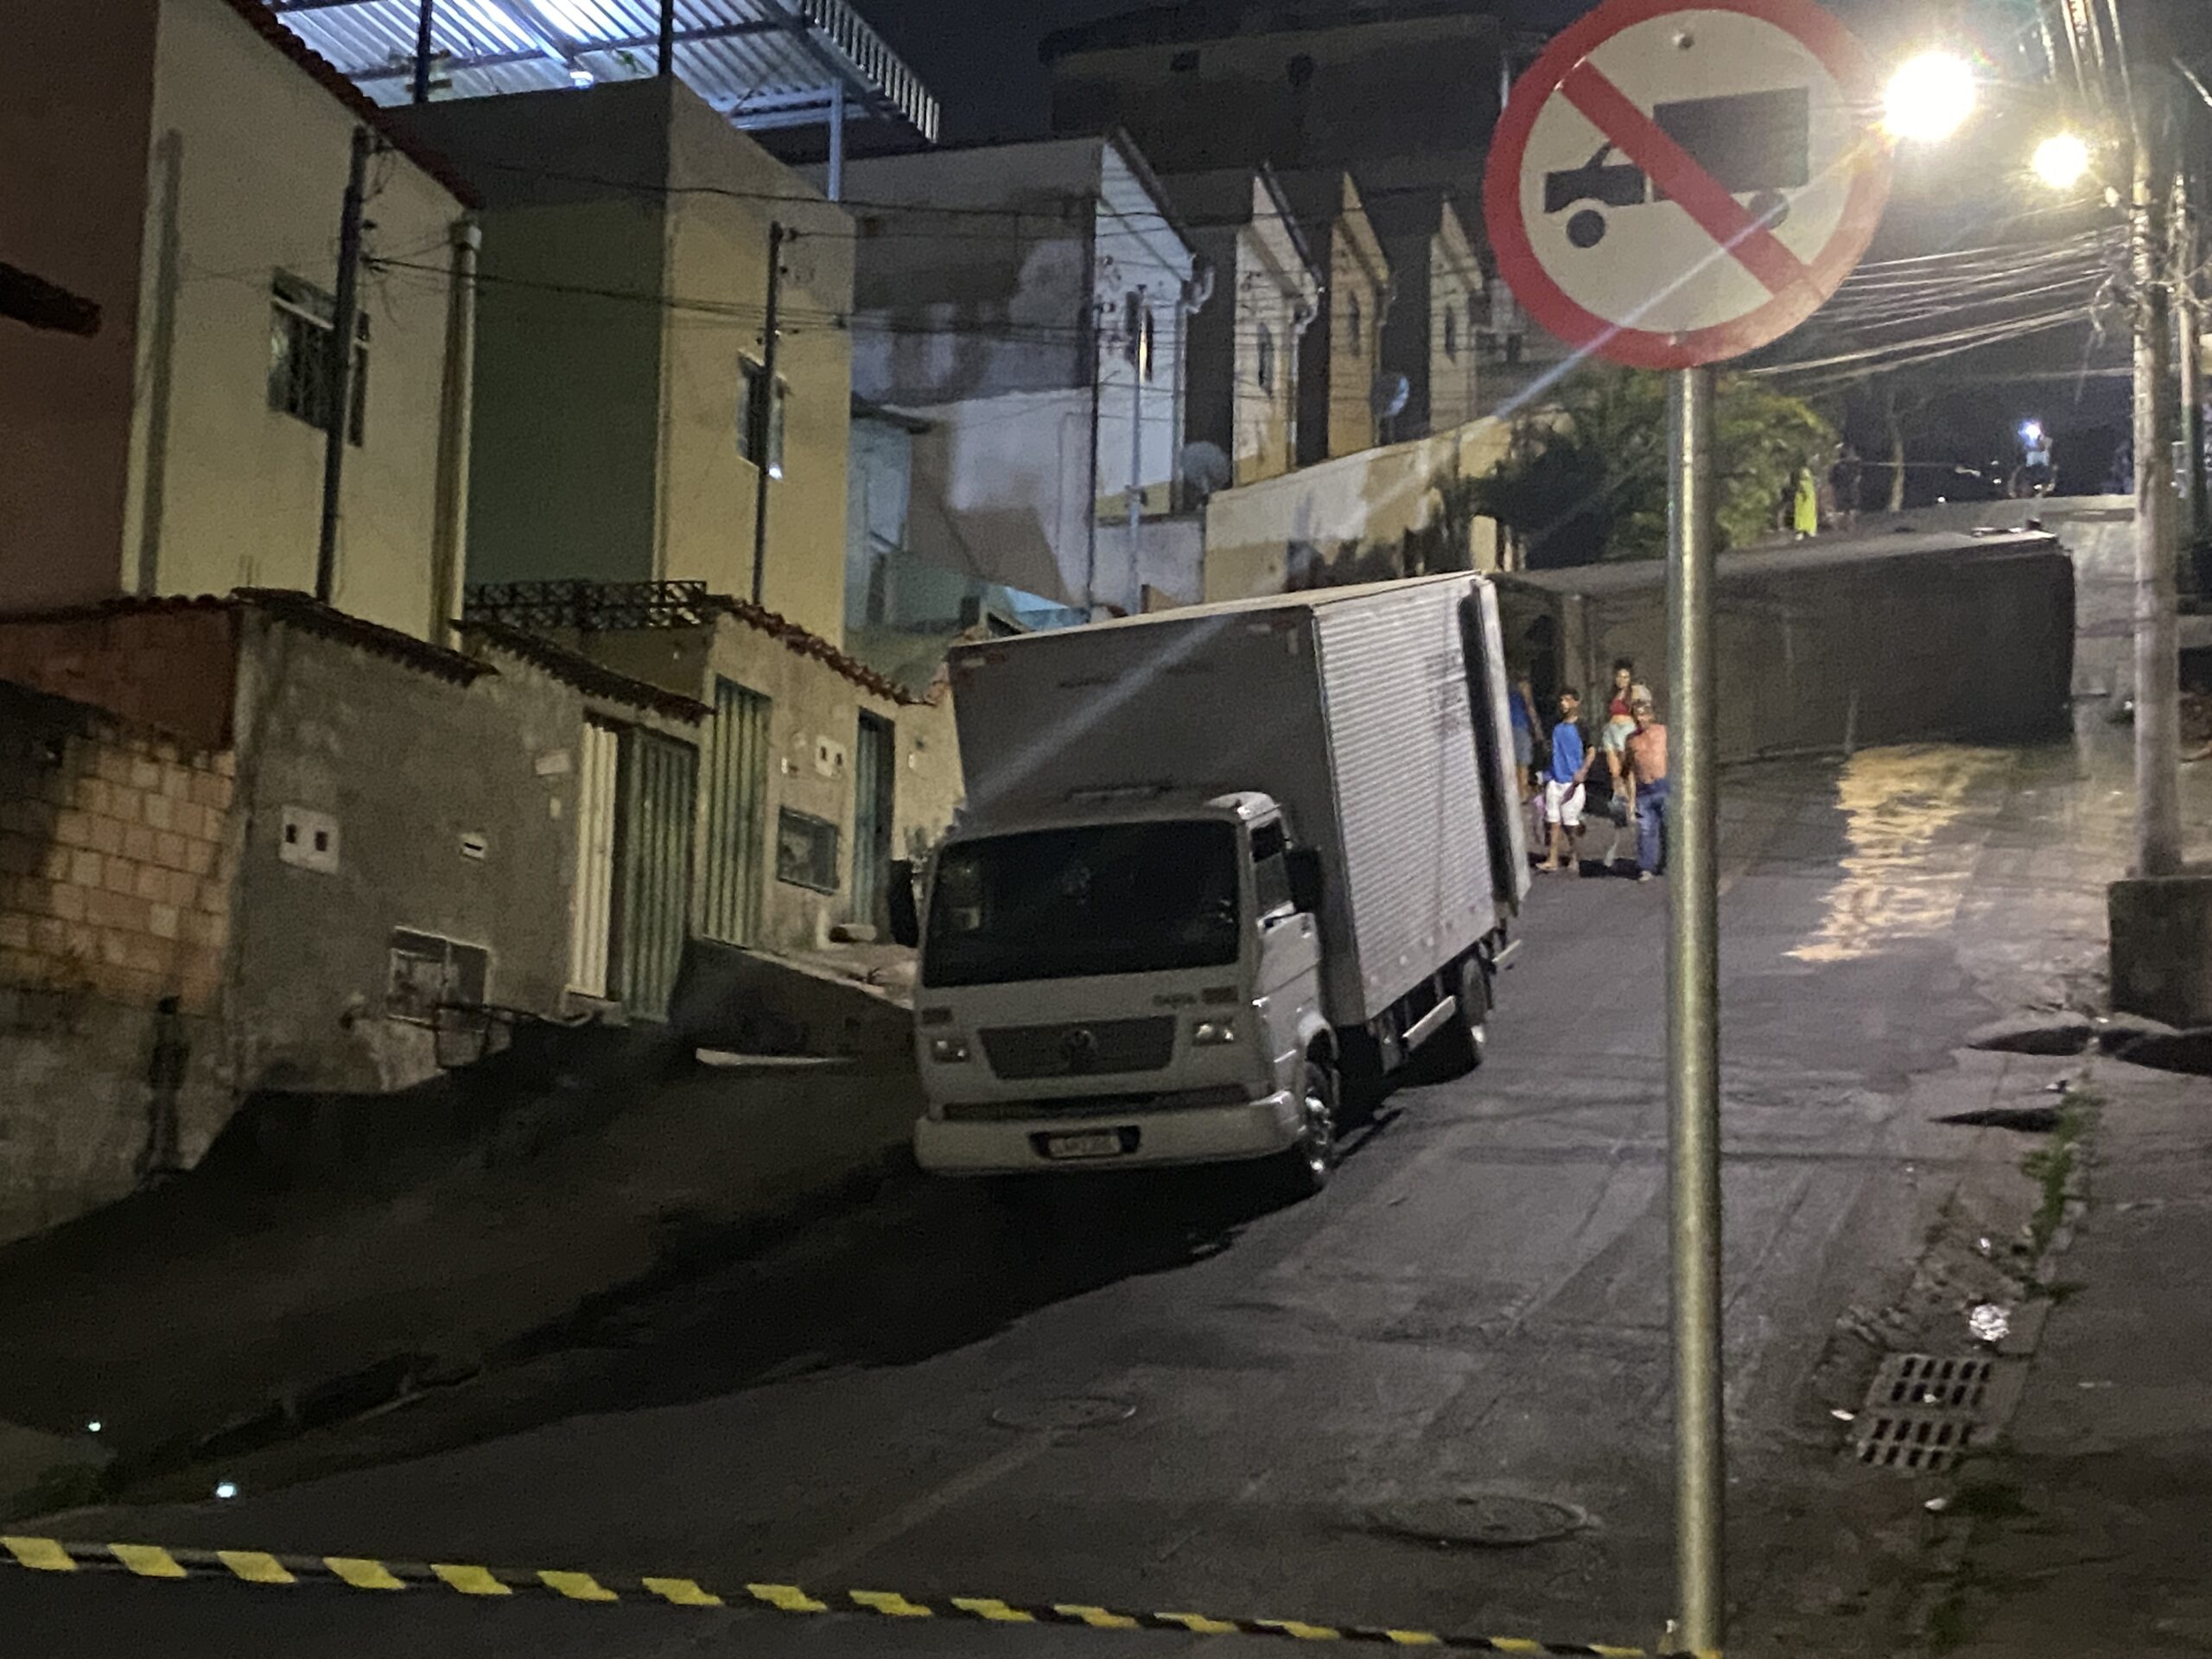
[1205, 468]
[1388, 395]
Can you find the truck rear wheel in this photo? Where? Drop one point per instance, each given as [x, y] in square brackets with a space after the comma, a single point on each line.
[1462, 1043]
[1304, 1168]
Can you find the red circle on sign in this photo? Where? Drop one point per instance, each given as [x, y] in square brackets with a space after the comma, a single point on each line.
[1565, 317]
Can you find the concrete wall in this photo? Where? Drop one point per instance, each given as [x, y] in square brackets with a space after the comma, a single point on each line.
[1360, 518]
[172, 669]
[74, 113]
[606, 441]
[115, 869]
[1162, 566]
[1002, 491]
[417, 767]
[986, 299]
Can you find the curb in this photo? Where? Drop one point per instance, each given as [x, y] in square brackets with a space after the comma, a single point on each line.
[366, 1573]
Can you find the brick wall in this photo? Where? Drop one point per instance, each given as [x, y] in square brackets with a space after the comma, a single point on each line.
[111, 848]
[114, 896]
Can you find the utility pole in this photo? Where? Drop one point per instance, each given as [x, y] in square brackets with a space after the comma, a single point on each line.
[338, 375]
[423, 26]
[2188, 323]
[1693, 1017]
[1140, 357]
[763, 412]
[2157, 657]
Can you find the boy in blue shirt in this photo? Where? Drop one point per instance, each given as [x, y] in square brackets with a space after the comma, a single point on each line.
[1563, 794]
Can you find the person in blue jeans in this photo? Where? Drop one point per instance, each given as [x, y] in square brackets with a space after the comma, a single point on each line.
[1644, 767]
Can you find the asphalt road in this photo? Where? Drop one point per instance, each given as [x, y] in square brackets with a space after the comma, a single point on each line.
[1475, 1310]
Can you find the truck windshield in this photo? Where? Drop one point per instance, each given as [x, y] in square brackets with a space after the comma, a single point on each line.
[1101, 898]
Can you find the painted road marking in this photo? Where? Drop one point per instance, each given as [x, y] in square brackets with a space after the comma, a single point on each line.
[364, 1573]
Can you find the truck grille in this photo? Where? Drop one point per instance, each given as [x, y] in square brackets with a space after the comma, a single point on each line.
[1007, 1111]
[1077, 1050]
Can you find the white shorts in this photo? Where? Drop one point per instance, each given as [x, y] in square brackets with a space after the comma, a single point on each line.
[1563, 804]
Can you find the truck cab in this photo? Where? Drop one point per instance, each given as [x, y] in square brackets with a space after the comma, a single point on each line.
[1136, 980]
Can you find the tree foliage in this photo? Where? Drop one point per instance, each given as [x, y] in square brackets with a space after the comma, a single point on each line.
[1585, 480]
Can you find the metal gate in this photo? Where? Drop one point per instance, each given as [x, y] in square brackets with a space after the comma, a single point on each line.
[875, 783]
[653, 869]
[731, 873]
[591, 912]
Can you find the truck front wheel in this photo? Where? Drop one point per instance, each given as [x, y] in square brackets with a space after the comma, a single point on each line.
[1306, 1165]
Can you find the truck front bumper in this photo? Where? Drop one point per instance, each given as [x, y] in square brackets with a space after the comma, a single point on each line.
[1204, 1135]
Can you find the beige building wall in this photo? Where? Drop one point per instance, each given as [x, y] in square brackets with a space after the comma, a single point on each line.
[237, 156]
[1455, 286]
[227, 491]
[1359, 293]
[1274, 291]
[718, 254]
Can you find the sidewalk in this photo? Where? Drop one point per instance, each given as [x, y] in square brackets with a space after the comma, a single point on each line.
[2088, 1534]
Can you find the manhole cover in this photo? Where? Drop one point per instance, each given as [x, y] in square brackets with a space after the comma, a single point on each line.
[1480, 1520]
[1920, 1440]
[1932, 1379]
[1066, 1411]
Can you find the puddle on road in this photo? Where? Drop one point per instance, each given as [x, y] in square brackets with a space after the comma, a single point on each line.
[1906, 873]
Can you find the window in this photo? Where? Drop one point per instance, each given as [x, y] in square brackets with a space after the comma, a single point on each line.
[1451, 334]
[760, 427]
[1271, 869]
[299, 356]
[1355, 325]
[806, 850]
[1267, 354]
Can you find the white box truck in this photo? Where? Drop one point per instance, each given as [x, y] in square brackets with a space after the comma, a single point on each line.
[1212, 863]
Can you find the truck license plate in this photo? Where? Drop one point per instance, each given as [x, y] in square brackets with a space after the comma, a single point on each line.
[1096, 1143]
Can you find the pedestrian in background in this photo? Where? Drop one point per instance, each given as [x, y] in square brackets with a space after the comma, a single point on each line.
[1646, 755]
[1520, 704]
[1563, 791]
[1619, 723]
[1805, 504]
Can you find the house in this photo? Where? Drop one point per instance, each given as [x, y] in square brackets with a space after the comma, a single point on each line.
[1032, 304]
[1404, 96]
[629, 423]
[255, 842]
[181, 449]
[1345, 393]
[1440, 309]
[1245, 347]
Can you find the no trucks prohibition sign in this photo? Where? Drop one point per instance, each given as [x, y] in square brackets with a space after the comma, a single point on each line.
[1677, 183]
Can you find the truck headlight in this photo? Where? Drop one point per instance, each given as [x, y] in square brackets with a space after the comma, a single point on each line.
[948, 1051]
[1213, 1033]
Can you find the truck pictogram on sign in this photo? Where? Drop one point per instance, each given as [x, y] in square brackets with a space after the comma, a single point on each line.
[1754, 144]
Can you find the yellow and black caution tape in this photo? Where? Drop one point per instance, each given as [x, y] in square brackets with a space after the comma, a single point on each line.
[362, 1573]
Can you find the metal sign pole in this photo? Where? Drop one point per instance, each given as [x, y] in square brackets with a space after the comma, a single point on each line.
[1693, 1016]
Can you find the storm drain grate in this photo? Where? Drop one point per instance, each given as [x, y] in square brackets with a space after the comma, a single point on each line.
[1932, 1379]
[1914, 1439]
[1924, 1412]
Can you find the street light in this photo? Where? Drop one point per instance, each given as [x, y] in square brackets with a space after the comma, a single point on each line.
[2062, 160]
[1930, 97]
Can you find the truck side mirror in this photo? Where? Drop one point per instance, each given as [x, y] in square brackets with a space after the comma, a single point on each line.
[1305, 879]
[906, 919]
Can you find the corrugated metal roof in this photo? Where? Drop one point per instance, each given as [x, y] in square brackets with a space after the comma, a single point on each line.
[765, 63]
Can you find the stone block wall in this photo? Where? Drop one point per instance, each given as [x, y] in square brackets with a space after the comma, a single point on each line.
[115, 871]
